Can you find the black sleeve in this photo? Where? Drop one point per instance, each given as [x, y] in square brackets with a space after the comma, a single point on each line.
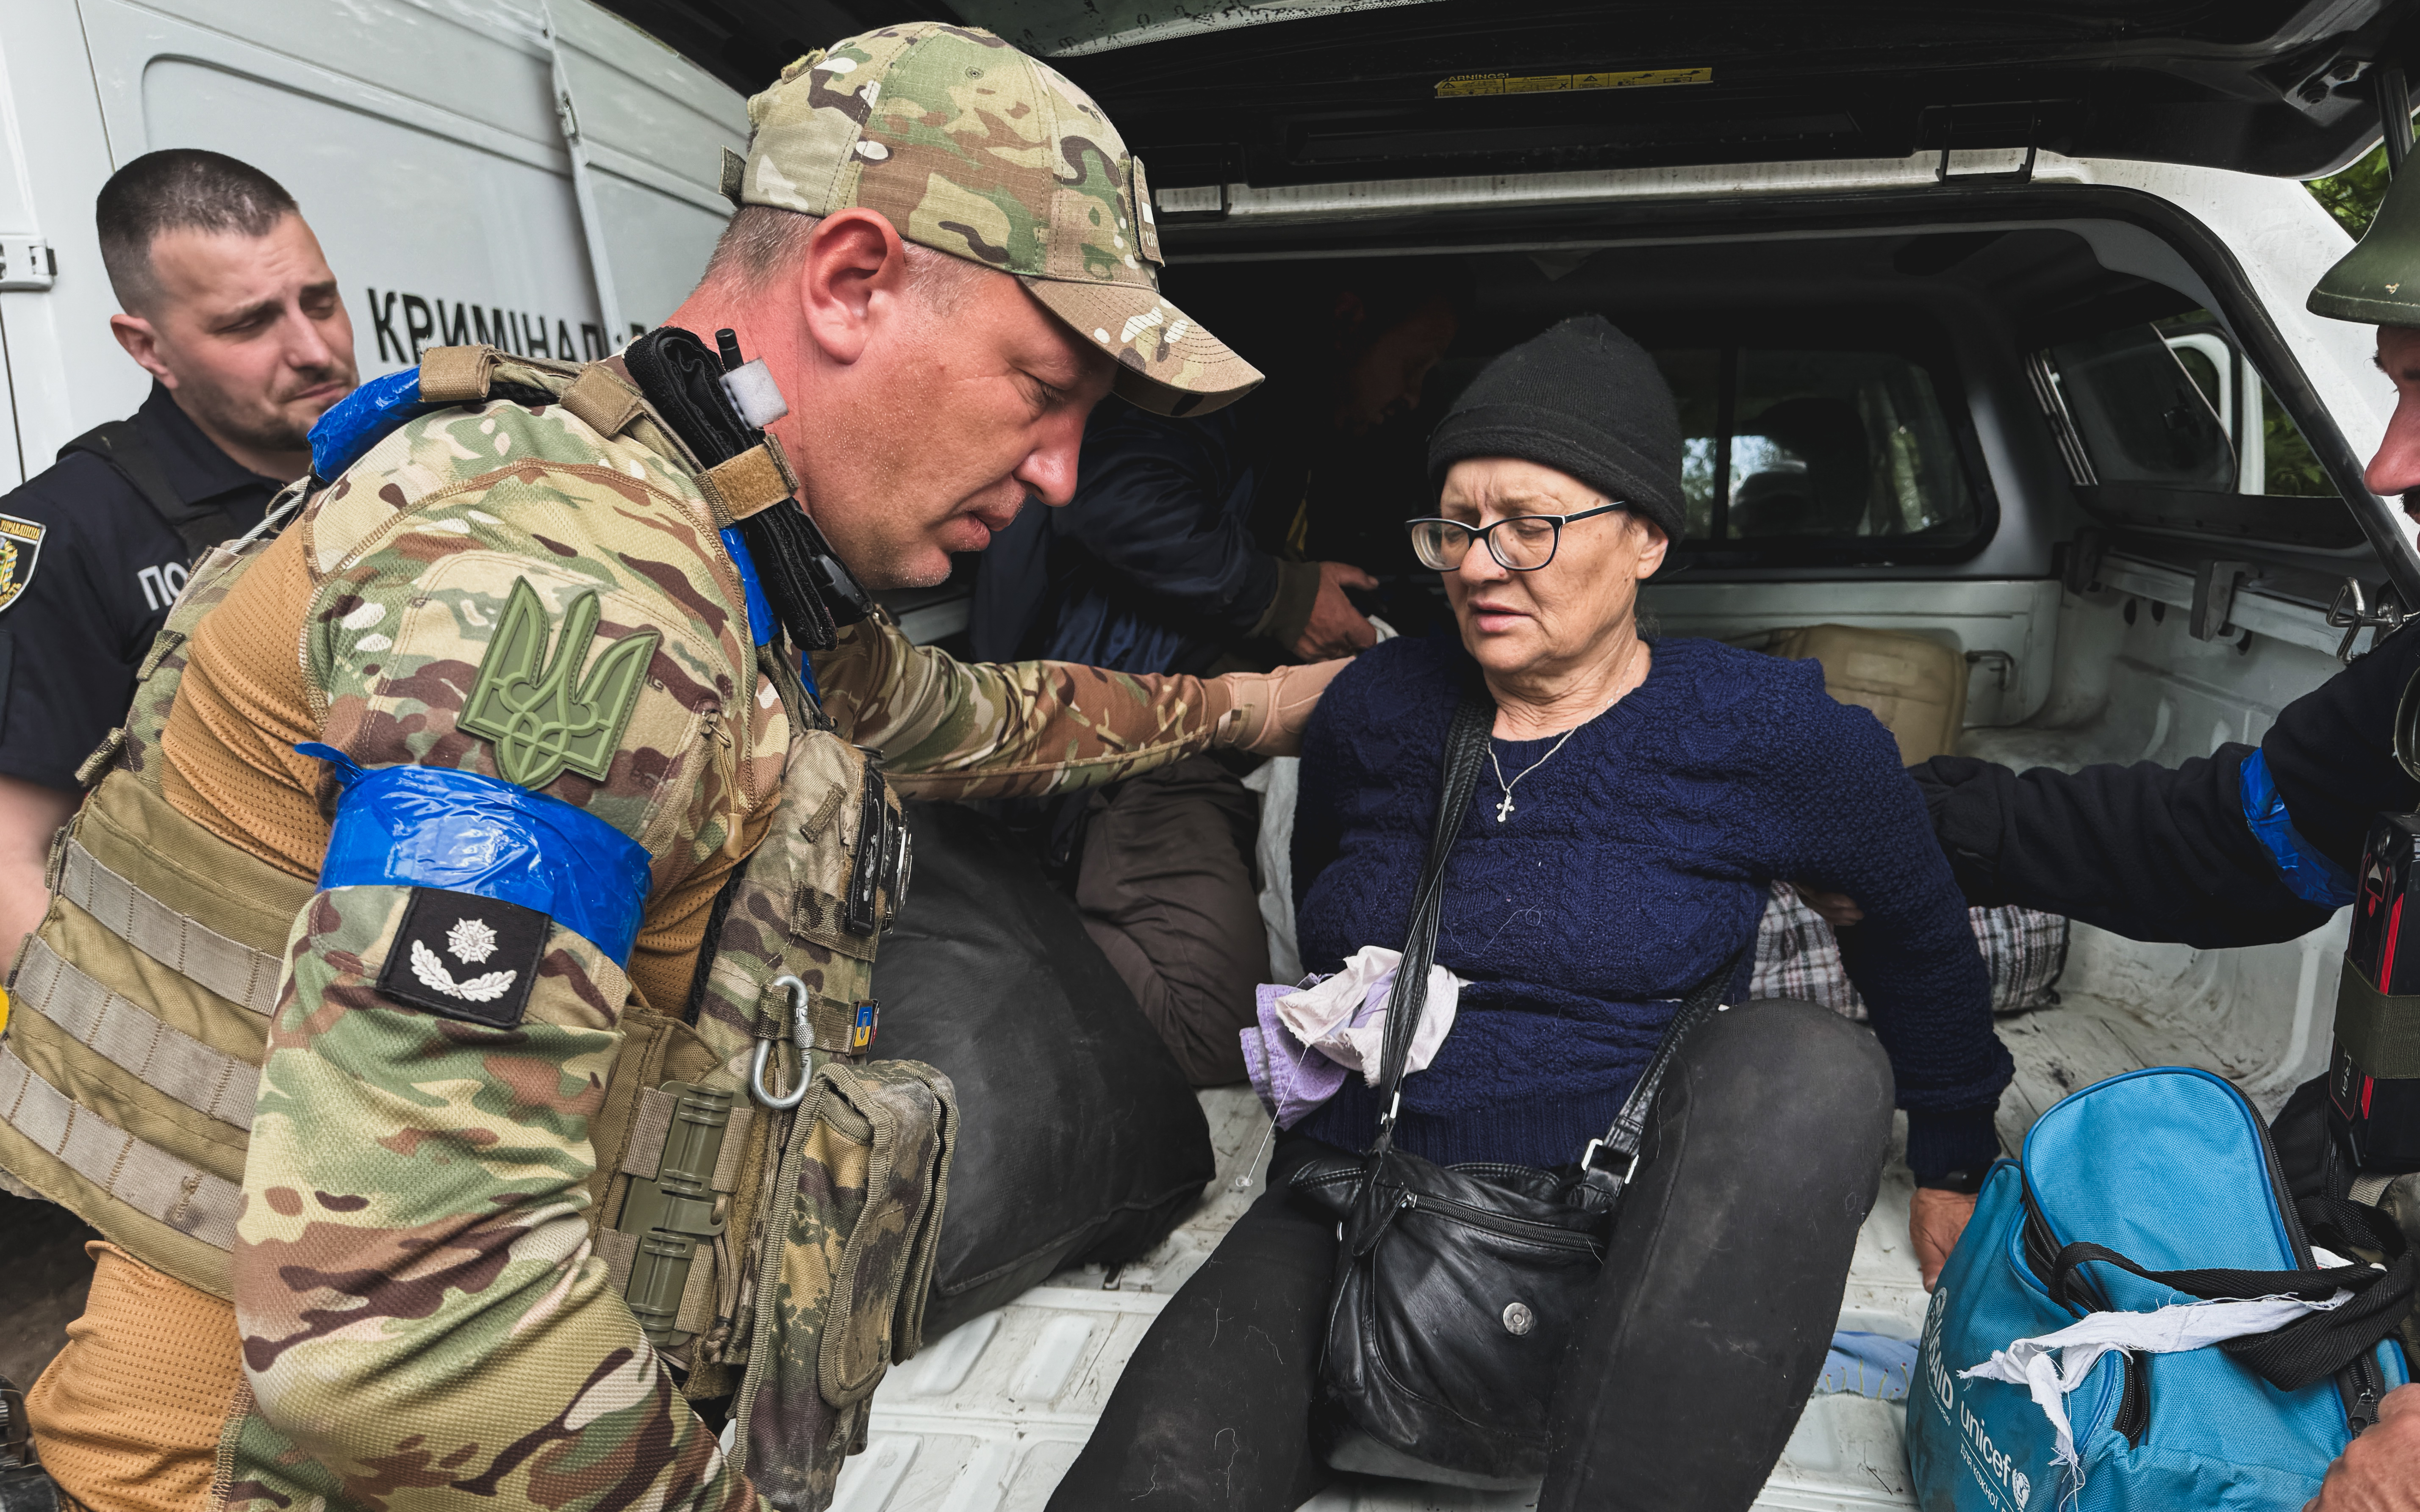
[2150, 852]
[72, 649]
[1169, 522]
[2332, 750]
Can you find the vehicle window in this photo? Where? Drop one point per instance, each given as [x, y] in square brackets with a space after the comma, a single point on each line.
[1818, 446]
[2139, 414]
[2169, 425]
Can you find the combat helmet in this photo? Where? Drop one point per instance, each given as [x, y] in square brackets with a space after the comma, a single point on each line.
[2378, 283]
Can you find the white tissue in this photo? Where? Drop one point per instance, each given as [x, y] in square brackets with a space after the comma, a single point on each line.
[1321, 1015]
[2170, 1330]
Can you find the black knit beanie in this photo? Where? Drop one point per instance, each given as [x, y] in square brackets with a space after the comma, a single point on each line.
[1582, 398]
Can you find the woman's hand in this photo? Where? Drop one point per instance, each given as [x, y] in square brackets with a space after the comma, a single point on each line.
[1935, 1218]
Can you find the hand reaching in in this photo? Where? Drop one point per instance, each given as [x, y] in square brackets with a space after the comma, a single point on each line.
[1336, 628]
[1935, 1218]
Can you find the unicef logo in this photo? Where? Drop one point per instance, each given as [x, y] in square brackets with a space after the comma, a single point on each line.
[2018, 1485]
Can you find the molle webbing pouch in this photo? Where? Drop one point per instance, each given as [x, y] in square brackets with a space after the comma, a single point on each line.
[140, 1014]
[856, 1213]
[807, 908]
[667, 1249]
[703, 1105]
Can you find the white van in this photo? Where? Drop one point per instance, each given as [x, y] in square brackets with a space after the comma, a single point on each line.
[1953, 200]
[536, 174]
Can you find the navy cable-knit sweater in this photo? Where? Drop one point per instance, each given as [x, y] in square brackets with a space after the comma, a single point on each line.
[1634, 865]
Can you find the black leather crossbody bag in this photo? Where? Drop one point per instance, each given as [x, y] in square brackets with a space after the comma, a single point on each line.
[1457, 1287]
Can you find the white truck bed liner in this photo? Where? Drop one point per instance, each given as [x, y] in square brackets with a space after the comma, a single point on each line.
[989, 1418]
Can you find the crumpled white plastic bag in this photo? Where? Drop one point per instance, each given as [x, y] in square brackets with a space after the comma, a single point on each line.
[2170, 1330]
[1323, 1014]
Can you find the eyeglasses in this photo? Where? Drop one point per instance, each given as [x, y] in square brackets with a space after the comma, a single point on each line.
[1519, 543]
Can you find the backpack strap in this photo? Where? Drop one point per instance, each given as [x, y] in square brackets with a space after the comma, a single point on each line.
[2312, 1347]
[121, 445]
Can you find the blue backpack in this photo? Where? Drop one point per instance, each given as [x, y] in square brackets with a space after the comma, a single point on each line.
[2155, 1188]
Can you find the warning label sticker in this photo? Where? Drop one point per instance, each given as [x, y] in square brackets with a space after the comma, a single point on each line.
[1464, 85]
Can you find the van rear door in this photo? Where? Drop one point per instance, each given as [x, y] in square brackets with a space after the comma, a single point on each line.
[1327, 90]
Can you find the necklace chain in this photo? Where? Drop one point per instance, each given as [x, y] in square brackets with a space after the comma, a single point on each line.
[1504, 810]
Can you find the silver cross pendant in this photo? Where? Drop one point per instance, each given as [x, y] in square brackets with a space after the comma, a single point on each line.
[1504, 810]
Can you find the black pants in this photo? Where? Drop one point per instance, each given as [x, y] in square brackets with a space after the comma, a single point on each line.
[1718, 1301]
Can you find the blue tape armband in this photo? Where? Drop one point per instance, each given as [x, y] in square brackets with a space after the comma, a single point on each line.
[361, 420]
[431, 827]
[2306, 872]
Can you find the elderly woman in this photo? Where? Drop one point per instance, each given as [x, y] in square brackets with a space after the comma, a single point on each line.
[1639, 797]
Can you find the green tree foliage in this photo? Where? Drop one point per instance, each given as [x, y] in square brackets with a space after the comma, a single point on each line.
[2351, 196]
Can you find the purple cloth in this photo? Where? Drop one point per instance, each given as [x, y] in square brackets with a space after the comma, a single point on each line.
[1291, 1078]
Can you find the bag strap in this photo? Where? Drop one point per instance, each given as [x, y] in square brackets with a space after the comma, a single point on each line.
[2314, 1346]
[118, 444]
[1465, 747]
[1622, 1141]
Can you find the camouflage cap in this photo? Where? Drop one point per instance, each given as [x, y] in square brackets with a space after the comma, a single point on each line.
[970, 147]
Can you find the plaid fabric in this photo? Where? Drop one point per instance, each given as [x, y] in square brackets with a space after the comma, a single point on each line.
[1797, 957]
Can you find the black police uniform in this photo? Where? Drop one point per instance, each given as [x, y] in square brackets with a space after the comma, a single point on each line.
[2167, 853]
[89, 567]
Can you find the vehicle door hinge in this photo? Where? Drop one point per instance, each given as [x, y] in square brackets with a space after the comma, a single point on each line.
[27, 264]
[2214, 599]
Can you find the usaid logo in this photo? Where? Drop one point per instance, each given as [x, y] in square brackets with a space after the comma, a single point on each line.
[1997, 1472]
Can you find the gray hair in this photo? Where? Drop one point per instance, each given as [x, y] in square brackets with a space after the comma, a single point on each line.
[180, 189]
[763, 242]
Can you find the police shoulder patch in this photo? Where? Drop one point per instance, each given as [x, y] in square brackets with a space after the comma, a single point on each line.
[462, 956]
[20, 547]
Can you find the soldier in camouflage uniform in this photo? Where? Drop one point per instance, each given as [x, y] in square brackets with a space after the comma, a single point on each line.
[491, 811]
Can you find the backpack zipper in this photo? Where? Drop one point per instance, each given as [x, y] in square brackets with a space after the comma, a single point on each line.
[2133, 1419]
[2359, 1384]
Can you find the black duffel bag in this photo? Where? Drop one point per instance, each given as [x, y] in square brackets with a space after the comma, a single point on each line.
[1080, 1141]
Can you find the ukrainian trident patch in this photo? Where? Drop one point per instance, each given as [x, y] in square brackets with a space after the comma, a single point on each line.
[20, 547]
[530, 700]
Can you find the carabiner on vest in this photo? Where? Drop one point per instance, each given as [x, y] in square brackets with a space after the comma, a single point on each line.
[802, 1036]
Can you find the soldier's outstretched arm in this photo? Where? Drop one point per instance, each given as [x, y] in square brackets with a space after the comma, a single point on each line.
[535, 711]
[949, 729]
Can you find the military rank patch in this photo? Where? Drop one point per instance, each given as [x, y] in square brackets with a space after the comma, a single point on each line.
[462, 956]
[20, 547]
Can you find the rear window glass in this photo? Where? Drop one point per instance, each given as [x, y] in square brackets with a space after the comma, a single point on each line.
[2167, 425]
[1853, 452]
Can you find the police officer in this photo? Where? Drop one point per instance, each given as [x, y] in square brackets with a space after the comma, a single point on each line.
[526, 810]
[230, 307]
